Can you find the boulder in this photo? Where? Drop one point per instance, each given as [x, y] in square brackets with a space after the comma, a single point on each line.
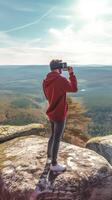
[10, 132]
[22, 160]
[102, 145]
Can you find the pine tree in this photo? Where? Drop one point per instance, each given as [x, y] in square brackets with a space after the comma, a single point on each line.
[76, 130]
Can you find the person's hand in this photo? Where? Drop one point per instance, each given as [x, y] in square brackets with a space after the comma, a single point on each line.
[70, 70]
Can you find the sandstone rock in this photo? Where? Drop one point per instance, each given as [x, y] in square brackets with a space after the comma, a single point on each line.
[102, 145]
[10, 132]
[22, 160]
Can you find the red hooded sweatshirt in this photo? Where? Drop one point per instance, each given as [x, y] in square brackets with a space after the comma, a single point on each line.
[55, 88]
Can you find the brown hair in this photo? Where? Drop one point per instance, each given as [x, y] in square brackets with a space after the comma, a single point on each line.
[54, 64]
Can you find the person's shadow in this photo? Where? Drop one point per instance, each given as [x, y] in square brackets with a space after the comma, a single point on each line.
[45, 182]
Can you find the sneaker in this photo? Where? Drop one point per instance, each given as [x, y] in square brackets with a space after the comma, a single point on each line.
[58, 168]
[48, 161]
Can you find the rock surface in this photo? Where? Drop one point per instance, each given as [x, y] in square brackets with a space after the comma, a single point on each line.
[10, 132]
[102, 145]
[22, 160]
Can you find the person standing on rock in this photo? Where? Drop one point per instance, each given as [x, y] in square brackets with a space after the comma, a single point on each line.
[55, 87]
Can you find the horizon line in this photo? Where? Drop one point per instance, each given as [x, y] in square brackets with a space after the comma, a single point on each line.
[48, 65]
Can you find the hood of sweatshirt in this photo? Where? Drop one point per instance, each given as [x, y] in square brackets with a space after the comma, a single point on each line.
[50, 78]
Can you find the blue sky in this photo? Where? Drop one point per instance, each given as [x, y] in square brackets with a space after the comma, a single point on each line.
[36, 31]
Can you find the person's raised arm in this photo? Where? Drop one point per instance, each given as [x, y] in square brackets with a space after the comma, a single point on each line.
[71, 84]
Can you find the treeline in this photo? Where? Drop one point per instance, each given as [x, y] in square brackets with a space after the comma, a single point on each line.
[20, 111]
[101, 120]
[77, 123]
[80, 126]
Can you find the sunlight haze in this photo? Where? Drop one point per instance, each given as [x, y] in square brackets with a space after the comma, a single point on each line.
[77, 31]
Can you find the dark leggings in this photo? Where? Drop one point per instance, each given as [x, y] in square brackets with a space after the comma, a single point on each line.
[57, 130]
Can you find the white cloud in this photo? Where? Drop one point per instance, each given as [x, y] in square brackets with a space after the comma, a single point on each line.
[91, 40]
[90, 45]
[85, 46]
[16, 51]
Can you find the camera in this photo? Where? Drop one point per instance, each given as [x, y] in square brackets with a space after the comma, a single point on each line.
[63, 66]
